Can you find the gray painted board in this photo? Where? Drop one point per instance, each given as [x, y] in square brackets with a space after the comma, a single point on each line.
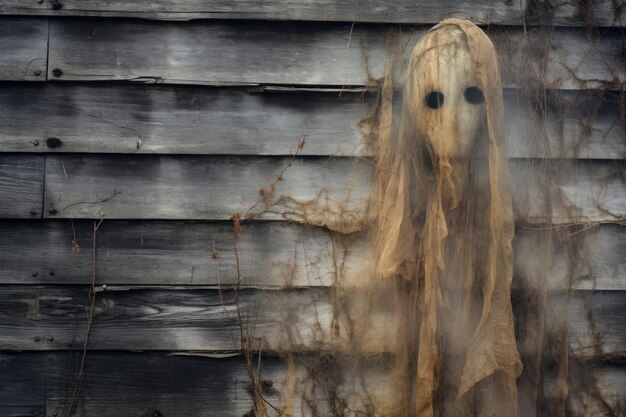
[24, 46]
[21, 185]
[34, 317]
[216, 187]
[603, 12]
[203, 120]
[309, 54]
[271, 254]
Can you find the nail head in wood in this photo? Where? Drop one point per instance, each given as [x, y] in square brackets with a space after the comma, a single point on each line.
[57, 72]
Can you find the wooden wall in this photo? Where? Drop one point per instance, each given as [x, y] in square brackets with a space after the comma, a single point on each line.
[160, 120]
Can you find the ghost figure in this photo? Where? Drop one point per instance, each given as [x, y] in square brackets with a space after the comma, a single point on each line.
[445, 99]
[445, 225]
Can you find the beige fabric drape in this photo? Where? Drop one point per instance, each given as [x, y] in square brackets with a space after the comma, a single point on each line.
[444, 234]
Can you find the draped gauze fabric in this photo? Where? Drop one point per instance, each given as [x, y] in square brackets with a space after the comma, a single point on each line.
[445, 225]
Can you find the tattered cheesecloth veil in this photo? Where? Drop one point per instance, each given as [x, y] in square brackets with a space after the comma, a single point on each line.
[445, 225]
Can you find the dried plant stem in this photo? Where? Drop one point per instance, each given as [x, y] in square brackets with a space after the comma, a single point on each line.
[91, 304]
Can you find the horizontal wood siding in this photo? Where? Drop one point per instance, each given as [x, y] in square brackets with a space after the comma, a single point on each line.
[216, 187]
[202, 254]
[21, 185]
[601, 12]
[189, 187]
[220, 53]
[160, 130]
[24, 46]
[138, 384]
[23, 386]
[106, 118]
[35, 317]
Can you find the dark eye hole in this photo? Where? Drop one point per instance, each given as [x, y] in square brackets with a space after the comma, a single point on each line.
[474, 95]
[434, 100]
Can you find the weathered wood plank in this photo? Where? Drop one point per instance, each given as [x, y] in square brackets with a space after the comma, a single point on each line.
[216, 187]
[54, 318]
[589, 259]
[151, 384]
[24, 46]
[582, 124]
[22, 385]
[315, 54]
[169, 253]
[177, 120]
[138, 384]
[572, 191]
[180, 253]
[201, 120]
[593, 387]
[21, 185]
[209, 52]
[192, 187]
[602, 12]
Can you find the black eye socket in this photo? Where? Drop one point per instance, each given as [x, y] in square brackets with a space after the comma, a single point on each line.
[474, 95]
[434, 99]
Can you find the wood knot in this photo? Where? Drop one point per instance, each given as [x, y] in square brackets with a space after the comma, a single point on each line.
[152, 413]
[54, 142]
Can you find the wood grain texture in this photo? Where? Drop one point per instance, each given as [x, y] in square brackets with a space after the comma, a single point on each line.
[581, 124]
[210, 52]
[135, 384]
[271, 254]
[143, 383]
[309, 54]
[24, 46]
[54, 318]
[178, 120]
[181, 253]
[126, 318]
[216, 187]
[21, 185]
[603, 12]
[189, 187]
[572, 191]
[204, 120]
[22, 385]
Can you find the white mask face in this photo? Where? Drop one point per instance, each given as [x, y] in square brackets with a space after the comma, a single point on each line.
[446, 100]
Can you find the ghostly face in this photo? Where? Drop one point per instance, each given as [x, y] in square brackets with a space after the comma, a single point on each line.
[446, 100]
